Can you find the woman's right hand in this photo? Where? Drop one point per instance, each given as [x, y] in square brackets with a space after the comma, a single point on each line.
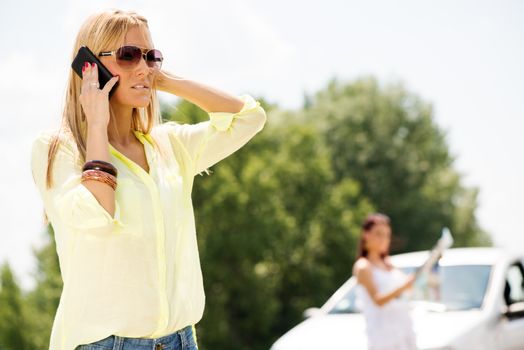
[95, 101]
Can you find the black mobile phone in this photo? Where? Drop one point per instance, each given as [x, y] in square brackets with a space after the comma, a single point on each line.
[86, 55]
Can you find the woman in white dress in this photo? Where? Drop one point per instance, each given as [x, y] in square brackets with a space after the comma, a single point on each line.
[380, 287]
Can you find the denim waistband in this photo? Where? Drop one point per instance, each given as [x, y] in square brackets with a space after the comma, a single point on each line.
[182, 339]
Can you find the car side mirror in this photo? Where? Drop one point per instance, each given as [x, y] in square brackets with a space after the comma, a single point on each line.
[515, 310]
[311, 312]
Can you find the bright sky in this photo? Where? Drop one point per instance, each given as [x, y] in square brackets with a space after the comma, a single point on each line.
[465, 57]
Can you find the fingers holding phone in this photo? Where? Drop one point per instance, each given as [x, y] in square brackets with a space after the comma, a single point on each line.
[95, 101]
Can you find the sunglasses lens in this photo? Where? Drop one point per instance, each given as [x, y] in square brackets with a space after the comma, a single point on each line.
[154, 58]
[128, 56]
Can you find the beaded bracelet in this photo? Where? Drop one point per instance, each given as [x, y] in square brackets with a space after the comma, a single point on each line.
[100, 165]
[98, 175]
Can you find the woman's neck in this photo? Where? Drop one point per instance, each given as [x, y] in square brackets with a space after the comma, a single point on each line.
[375, 258]
[119, 130]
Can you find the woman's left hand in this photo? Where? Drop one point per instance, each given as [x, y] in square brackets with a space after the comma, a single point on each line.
[163, 80]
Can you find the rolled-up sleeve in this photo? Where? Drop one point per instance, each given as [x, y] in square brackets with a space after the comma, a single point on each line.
[68, 202]
[224, 133]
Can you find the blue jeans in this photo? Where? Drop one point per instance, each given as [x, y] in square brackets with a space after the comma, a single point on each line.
[183, 339]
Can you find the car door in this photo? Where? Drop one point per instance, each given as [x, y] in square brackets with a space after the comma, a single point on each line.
[512, 328]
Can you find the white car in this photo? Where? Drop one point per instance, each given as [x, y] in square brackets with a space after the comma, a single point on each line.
[473, 299]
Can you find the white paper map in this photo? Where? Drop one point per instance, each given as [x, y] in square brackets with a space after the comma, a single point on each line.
[445, 242]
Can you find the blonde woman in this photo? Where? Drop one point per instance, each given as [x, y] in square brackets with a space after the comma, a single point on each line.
[380, 286]
[116, 187]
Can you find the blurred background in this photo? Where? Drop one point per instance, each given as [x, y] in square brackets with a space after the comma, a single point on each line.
[410, 108]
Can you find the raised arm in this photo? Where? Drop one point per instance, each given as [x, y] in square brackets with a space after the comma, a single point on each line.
[87, 206]
[68, 201]
[233, 121]
[95, 103]
[206, 97]
[364, 274]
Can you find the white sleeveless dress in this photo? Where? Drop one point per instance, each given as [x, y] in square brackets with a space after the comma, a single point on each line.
[388, 327]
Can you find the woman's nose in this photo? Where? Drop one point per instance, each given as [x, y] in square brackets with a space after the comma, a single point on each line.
[142, 68]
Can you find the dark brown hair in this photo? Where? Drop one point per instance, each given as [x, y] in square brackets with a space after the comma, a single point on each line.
[370, 221]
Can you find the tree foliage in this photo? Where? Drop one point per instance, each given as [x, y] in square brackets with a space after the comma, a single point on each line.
[12, 313]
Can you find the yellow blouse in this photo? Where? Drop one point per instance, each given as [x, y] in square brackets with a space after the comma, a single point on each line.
[136, 274]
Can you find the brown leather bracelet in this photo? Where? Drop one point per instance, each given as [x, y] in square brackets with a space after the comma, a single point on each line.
[100, 165]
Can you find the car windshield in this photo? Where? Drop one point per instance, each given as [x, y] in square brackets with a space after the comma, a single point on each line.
[444, 288]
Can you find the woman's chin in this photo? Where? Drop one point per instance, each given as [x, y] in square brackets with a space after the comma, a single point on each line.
[133, 101]
[139, 102]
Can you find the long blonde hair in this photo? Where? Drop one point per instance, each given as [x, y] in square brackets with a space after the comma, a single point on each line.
[102, 31]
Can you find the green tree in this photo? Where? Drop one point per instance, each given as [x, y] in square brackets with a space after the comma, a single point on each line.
[42, 301]
[278, 221]
[13, 334]
[270, 219]
[387, 140]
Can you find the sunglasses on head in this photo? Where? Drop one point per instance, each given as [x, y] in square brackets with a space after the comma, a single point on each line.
[129, 56]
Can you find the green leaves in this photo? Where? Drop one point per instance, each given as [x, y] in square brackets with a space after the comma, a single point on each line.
[279, 221]
[12, 312]
[386, 139]
[270, 220]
